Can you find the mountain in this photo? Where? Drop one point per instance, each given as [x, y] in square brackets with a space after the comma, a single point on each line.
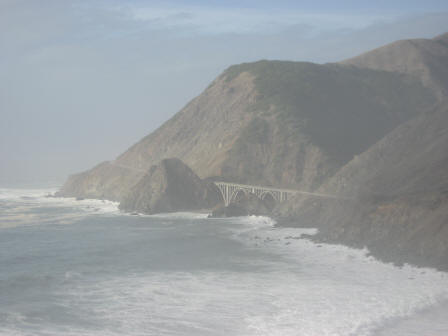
[285, 124]
[393, 198]
[368, 134]
[424, 59]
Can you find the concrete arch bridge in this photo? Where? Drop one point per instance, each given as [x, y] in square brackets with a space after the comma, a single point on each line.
[229, 192]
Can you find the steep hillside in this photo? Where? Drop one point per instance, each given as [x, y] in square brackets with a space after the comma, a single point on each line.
[104, 181]
[199, 134]
[275, 123]
[393, 198]
[310, 119]
[170, 186]
[424, 59]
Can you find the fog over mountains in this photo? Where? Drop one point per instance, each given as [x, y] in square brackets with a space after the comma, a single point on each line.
[100, 75]
[372, 129]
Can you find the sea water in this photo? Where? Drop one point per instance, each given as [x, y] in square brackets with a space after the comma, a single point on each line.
[72, 267]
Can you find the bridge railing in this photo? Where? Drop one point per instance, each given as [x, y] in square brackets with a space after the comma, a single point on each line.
[230, 190]
[247, 186]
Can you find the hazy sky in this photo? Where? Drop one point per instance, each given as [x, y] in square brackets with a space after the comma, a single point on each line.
[81, 81]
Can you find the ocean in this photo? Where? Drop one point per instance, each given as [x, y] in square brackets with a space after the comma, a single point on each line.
[72, 267]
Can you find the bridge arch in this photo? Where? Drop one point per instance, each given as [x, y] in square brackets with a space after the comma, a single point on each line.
[269, 200]
[237, 195]
[230, 191]
[224, 194]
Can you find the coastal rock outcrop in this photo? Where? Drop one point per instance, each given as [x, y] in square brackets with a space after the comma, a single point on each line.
[170, 186]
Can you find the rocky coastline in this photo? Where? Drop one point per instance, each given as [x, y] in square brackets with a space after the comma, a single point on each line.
[371, 132]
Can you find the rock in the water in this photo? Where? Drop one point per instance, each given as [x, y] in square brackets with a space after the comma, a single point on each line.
[168, 187]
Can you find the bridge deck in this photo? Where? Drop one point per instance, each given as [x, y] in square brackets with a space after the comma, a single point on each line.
[246, 186]
[229, 191]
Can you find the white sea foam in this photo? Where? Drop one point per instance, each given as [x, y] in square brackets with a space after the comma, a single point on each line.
[180, 215]
[23, 205]
[20, 194]
[344, 301]
[300, 288]
[431, 321]
[351, 293]
[311, 290]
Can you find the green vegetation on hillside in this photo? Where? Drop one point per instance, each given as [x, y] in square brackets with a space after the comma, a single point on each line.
[343, 109]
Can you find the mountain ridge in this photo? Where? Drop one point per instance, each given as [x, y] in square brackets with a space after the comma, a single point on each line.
[372, 131]
[268, 123]
[424, 59]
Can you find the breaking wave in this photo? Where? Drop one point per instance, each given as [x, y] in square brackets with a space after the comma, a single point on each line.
[184, 274]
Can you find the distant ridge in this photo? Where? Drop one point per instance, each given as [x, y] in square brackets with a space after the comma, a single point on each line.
[425, 59]
[271, 123]
[443, 38]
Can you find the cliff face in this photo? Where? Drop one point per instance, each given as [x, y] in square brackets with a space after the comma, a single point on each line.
[393, 198]
[286, 124]
[202, 132]
[308, 120]
[200, 135]
[104, 181]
